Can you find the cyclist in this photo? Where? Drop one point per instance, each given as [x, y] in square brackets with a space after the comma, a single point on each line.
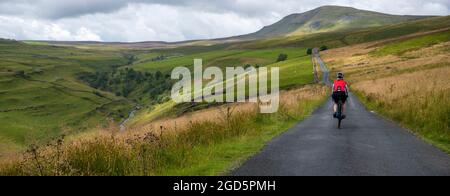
[340, 92]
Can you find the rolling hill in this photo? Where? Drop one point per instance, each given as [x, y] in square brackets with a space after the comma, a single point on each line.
[326, 19]
[319, 20]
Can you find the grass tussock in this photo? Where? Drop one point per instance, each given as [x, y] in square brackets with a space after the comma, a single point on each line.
[203, 147]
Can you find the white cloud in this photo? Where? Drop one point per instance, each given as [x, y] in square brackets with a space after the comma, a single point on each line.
[402, 7]
[85, 34]
[169, 20]
[136, 22]
[18, 28]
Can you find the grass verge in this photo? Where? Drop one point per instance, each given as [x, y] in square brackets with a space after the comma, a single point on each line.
[427, 118]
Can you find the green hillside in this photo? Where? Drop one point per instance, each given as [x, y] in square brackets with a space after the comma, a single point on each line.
[335, 39]
[41, 97]
[326, 19]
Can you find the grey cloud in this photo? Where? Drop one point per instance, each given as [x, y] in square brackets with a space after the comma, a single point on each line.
[170, 20]
[56, 9]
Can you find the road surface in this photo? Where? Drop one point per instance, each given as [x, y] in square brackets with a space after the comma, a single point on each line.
[323, 67]
[368, 145]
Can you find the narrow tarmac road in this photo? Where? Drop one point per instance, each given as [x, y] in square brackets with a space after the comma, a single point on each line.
[367, 145]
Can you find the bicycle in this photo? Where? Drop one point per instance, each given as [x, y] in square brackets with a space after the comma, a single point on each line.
[340, 116]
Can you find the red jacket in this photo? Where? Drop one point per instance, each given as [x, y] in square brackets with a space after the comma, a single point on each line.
[340, 85]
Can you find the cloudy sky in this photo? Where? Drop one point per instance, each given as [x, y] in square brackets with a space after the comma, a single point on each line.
[170, 20]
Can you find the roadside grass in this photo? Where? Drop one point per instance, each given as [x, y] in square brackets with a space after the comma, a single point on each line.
[221, 158]
[415, 101]
[428, 119]
[7, 146]
[201, 148]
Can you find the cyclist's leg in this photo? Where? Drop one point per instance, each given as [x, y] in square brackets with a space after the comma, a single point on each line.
[335, 99]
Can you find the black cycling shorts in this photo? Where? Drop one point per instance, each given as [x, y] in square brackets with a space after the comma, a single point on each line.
[339, 96]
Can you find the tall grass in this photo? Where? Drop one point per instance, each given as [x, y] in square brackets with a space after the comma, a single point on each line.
[404, 79]
[208, 147]
[419, 101]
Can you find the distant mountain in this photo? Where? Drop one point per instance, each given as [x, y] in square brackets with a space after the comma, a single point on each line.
[328, 18]
[322, 19]
[6, 40]
[148, 44]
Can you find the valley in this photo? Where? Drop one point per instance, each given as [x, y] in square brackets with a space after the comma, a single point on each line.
[70, 98]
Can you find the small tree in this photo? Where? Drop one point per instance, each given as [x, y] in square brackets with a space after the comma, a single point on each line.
[323, 48]
[282, 57]
[158, 75]
[309, 51]
[21, 74]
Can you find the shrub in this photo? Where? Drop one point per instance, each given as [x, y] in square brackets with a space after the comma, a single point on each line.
[282, 57]
[21, 74]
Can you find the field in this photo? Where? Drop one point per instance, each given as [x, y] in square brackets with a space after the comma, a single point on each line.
[219, 58]
[294, 72]
[405, 79]
[401, 47]
[40, 97]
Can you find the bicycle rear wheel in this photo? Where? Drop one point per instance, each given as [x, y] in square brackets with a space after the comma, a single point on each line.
[339, 117]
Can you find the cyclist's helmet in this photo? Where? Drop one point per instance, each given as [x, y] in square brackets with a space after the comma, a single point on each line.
[340, 75]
